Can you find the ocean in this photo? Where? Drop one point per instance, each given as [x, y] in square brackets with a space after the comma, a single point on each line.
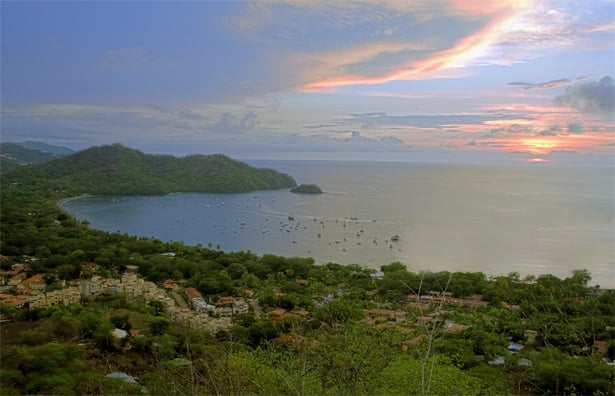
[530, 219]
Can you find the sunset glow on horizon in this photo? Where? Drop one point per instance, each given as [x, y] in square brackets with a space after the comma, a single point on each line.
[446, 79]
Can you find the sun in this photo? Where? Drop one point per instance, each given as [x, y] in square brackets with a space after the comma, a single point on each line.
[538, 146]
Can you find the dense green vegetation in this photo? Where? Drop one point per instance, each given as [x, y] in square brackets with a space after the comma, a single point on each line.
[331, 337]
[117, 169]
[13, 155]
[307, 189]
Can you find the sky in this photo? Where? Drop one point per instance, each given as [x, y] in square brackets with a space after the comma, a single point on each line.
[423, 80]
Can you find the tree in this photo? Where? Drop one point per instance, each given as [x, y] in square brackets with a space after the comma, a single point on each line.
[159, 325]
[351, 357]
[339, 311]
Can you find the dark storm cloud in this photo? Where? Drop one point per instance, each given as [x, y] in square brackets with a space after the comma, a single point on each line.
[594, 97]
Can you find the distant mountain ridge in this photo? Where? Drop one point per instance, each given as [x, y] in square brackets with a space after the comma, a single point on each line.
[116, 169]
[47, 148]
[13, 155]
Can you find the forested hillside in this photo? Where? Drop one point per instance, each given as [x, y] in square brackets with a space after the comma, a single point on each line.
[117, 169]
[78, 305]
[13, 155]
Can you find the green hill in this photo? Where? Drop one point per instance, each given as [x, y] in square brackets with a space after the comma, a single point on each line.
[13, 155]
[307, 189]
[117, 169]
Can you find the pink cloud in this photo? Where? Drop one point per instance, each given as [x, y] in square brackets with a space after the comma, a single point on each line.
[431, 66]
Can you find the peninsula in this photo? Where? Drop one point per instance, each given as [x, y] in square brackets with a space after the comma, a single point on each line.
[116, 169]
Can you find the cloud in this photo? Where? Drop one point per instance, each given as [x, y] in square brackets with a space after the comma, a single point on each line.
[333, 44]
[374, 119]
[575, 127]
[356, 137]
[593, 97]
[230, 123]
[191, 115]
[553, 130]
[549, 84]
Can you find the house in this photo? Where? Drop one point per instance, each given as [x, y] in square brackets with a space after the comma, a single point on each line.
[15, 301]
[514, 347]
[240, 306]
[304, 313]
[192, 293]
[35, 282]
[131, 269]
[523, 362]
[226, 300]
[498, 361]
[601, 347]
[197, 300]
[14, 276]
[37, 301]
[412, 343]
[422, 320]
[279, 312]
[452, 327]
[530, 336]
[91, 287]
[89, 266]
[426, 299]
[132, 285]
[169, 284]
[225, 312]
[118, 334]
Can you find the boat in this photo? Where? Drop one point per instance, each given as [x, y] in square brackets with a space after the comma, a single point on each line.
[290, 217]
[395, 238]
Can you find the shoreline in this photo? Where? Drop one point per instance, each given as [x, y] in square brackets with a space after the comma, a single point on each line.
[305, 244]
[60, 202]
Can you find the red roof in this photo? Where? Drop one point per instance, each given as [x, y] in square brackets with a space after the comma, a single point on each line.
[191, 292]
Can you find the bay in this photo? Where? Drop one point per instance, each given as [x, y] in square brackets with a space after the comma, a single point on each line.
[494, 219]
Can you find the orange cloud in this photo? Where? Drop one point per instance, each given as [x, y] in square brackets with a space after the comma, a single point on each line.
[501, 11]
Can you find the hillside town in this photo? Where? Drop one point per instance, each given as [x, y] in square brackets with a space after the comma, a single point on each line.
[187, 308]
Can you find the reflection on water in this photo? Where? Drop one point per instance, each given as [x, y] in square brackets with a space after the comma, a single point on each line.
[497, 220]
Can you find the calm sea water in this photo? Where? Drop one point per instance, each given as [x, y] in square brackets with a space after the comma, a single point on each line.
[527, 219]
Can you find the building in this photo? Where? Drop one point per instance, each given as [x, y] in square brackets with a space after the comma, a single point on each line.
[91, 287]
[35, 282]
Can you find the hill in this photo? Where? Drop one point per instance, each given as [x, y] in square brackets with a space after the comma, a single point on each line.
[116, 169]
[13, 155]
[307, 189]
[47, 148]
